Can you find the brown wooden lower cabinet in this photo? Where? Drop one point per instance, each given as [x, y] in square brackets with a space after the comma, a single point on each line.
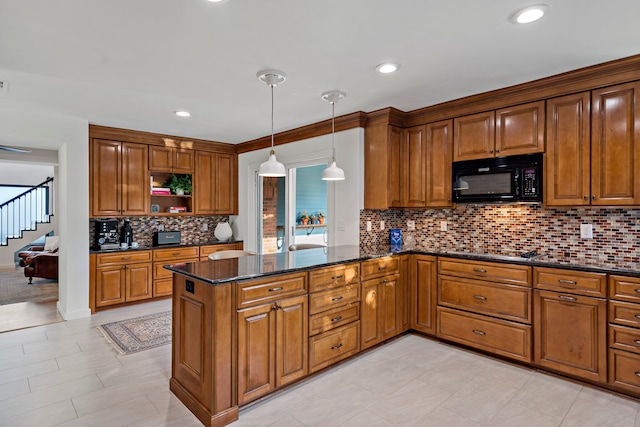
[624, 370]
[330, 347]
[424, 276]
[122, 277]
[570, 334]
[380, 317]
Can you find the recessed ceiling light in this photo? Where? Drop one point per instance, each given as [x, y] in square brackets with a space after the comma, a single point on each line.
[387, 68]
[216, 1]
[529, 14]
[182, 113]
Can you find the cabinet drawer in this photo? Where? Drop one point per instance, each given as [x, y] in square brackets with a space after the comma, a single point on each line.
[209, 249]
[123, 257]
[330, 347]
[573, 282]
[505, 301]
[162, 287]
[379, 267]
[175, 253]
[624, 370]
[333, 277]
[270, 289]
[162, 273]
[334, 318]
[321, 301]
[493, 335]
[624, 338]
[624, 313]
[624, 288]
[492, 271]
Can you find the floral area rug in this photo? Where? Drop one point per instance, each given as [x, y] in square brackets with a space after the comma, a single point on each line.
[138, 334]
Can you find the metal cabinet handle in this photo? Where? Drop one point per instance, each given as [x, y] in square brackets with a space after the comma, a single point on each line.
[567, 282]
[276, 289]
[336, 319]
[335, 347]
[636, 341]
[337, 298]
[477, 332]
[637, 291]
[479, 270]
[567, 298]
[637, 374]
[382, 268]
[383, 281]
[337, 277]
[586, 197]
[593, 197]
[637, 316]
[480, 297]
[125, 258]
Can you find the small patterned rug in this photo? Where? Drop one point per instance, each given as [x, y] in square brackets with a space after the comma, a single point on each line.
[138, 334]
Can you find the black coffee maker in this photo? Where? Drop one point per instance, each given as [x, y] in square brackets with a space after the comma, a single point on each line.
[106, 234]
[126, 235]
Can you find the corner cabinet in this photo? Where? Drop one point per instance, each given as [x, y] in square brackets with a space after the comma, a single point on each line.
[216, 183]
[119, 179]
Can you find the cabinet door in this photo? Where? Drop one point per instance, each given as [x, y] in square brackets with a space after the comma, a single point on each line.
[205, 183]
[615, 145]
[413, 167]
[369, 319]
[423, 293]
[105, 178]
[292, 332]
[135, 179]
[183, 159]
[395, 167]
[439, 156]
[520, 129]
[138, 282]
[570, 334]
[110, 285]
[567, 160]
[226, 190]
[160, 159]
[390, 295]
[474, 136]
[256, 352]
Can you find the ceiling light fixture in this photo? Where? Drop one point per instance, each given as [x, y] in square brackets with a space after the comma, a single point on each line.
[272, 167]
[182, 113]
[387, 68]
[529, 14]
[333, 172]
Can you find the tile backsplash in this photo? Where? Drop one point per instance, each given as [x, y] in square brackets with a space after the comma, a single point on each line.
[190, 227]
[514, 229]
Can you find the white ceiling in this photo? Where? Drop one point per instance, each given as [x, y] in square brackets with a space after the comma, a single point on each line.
[131, 63]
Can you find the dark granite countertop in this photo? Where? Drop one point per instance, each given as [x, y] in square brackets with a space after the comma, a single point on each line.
[181, 245]
[228, 270]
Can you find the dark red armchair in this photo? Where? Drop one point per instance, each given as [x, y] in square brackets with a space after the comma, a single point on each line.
[39, 263]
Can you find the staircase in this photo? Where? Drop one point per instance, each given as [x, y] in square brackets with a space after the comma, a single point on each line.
[26, 217]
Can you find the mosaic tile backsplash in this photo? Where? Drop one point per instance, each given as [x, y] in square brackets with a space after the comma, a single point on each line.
[513, 229]
[190, 228]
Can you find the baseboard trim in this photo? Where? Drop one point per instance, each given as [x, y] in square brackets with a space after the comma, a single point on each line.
[75, 314]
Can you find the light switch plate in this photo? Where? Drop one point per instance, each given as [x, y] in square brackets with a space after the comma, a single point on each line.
[411, 225]
[586, 231]
[368, 225]
[381, 225]
[443, 226]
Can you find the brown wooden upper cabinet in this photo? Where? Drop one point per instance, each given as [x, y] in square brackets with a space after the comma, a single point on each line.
[408, 168]
[505, 132]
[216, 183]
[593, 148]
[171, 159]
[119, 178]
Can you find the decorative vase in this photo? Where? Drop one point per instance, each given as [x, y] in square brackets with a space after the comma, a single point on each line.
[179, 192]
[223, 231]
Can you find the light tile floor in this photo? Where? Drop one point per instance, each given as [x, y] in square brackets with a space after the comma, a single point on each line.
[65, 374]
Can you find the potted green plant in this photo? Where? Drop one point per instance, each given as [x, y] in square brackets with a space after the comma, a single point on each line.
[179, 184]
[321, 217]
[304, 218]
[312, 219]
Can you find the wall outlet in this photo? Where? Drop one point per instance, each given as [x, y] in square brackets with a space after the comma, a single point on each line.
[443, 226]
[205, 227]
[161, 227]
[368, 225]
[586, 231]
[342, 225]
[411, 225]
[381, 225]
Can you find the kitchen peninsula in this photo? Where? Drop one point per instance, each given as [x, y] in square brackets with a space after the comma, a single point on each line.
[245, 327]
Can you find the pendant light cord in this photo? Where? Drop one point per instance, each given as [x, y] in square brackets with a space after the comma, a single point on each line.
[272, 138]
[333, 132]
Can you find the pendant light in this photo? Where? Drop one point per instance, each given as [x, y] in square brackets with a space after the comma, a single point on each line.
[272, 167]
[333, 172]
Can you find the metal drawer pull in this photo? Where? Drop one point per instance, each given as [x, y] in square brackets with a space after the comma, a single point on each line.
[125, 258]
[636, 341]
[335, 347]
[479, 270]
[637, 316]
[383, 281]
[566, 298]
[637, 291]
[382, 268]
[567, 282]
[176, 253]
[480, 297]
[637, 374]
[336, 319]
[477, 332]
[276, 289]
[337, 298]
[337, 277]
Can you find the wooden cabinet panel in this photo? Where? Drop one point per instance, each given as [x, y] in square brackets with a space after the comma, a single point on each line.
[334, 318]
[501, 337]
[216, 183]
[570, 281]
[394, 169]
[333, 277]
[474, 136]
[135, 180]
[624, 370]
[292, 332]
[330, 347]
[176, 253]
[520, 129]
[483, 270]
[110, 286]
[369, 325]
[123, 277]
[105, 178]
[570, 334]
[624, 313]
[331, 298]
[171, 159]
[623, 338]
[227, 184]
[138, 282]
[423, 293]
[379, 314]
[123, 257]
[413, 167]
[439, 156]
[624, 288]
[251, 292]
[615, 145]
[379, 267]
[498, 300]
[377, 187]
[183, 160]
[568, 155]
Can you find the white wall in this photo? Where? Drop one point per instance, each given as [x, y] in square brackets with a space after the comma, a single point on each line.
[13, 173]
[348, 195]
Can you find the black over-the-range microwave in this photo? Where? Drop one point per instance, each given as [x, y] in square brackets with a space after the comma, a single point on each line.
[511, 179]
